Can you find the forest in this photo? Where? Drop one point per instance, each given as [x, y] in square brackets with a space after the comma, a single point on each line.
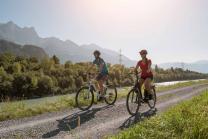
[27, 77]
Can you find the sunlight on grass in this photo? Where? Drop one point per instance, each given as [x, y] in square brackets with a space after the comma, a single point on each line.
[188, 120]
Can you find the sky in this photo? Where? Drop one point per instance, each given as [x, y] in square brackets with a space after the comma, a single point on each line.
[171, 30]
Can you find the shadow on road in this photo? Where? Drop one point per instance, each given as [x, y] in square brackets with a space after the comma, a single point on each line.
[73, 121]
[138, 118]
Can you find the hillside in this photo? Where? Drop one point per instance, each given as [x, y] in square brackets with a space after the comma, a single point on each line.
[65, 50]
[19, 50]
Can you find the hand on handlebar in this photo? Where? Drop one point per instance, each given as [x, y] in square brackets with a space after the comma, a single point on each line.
[137, 73]
[149, 70]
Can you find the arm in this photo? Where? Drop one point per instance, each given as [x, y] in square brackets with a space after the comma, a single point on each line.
[149, 66]
[91, 66]
[136, 69]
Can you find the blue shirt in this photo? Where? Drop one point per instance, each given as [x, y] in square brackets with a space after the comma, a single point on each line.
[100, 61]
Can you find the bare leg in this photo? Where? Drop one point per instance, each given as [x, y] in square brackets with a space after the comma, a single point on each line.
[103, 80]
[141, 82]
[101, 88]
[147, 85]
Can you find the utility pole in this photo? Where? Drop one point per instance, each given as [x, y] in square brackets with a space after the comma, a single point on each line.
[120, 62]
[120, 57]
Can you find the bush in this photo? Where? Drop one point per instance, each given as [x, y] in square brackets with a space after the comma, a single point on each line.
[45, 85]
[79, 82]
[127, 82]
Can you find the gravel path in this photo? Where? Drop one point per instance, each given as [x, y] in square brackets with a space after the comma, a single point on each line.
[99, 121]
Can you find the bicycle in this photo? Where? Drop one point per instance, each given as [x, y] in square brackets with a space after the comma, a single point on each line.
[135, 98]
[85, 95]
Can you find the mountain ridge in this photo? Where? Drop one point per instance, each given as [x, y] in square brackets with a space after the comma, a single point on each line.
[69, 50]
[199, 66]
[65, 50]
[22, 50]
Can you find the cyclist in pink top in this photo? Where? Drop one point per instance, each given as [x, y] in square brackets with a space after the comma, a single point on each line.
[146, 74]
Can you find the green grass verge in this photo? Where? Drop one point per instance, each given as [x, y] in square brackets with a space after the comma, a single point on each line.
[187, 120]
[20, 109]
[14, 110]
[179, 85]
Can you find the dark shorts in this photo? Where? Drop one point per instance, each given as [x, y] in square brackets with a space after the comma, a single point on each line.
[145, 77]
[101, 76]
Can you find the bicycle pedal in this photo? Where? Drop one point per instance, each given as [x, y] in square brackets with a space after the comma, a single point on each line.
[142, 101]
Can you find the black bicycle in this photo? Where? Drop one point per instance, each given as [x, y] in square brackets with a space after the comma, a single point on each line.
[85, 95]
[135, 98]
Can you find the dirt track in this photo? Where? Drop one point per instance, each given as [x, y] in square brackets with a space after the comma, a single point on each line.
[101, 120]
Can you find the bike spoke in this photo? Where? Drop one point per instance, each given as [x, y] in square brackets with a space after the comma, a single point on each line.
[132, 102]
[84, 98]
[152, 101]
[110, 96]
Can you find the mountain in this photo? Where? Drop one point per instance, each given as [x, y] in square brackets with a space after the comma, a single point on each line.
[65, 50]
[12, 32]
[108, 55]
[19, 50]
[199, 66]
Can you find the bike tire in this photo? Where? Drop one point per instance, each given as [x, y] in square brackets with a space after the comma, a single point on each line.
[115, 96]
[154, 99]
[130, 97]
[80, 105]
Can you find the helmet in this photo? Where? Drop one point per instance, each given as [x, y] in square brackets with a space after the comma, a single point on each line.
[96, 52]
[143, 52]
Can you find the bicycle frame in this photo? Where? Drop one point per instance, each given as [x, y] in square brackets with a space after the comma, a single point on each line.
[92, 85]
[137, 87]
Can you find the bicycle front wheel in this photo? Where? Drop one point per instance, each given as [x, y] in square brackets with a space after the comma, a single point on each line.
[110, 95]
[133, 102]
[84, 98]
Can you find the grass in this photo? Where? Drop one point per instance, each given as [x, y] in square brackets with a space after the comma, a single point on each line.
[179, 85]
[163, 88]
[187, 120]
[20, 109]
[14, 110]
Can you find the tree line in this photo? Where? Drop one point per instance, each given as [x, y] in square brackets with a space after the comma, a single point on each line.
[27, 77]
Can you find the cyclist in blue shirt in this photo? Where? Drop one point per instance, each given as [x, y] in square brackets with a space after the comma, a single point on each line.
[102, 72]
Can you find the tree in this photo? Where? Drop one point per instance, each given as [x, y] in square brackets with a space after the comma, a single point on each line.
[16, 68]
[33, 60]
[156, 68]
[127, 82]
[68, 64]
[5, 84]
[21, 84]
[45, 85]
[2, 72]
[172, 69]
[19, 58]
[46, 64]
[79, 82]
[56, 59]
[6, 60]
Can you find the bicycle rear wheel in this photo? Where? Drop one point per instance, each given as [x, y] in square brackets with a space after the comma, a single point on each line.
[133, 102]
[152, 101]
[110, 95]
[84, 98]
